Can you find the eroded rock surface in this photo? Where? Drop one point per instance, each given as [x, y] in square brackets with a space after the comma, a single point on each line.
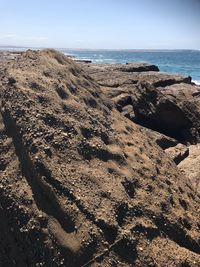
[178, 153]
[187, 98]
[80, 184]
[190, 166]
[116, 75]
[163, 102]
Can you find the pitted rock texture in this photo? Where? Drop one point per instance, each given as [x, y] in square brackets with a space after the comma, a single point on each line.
[80, 184]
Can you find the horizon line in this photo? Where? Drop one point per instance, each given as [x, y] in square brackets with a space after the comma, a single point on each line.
[100, 49]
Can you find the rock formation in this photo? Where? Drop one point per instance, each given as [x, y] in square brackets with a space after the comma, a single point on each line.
[190, 165]
[81, 184]
[167, 105]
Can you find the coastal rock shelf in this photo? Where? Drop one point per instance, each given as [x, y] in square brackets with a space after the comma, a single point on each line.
[163, 102]
[167, 105]
[81, 184]
[117, 75]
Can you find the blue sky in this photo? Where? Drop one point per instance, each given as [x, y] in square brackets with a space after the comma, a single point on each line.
[111, 24]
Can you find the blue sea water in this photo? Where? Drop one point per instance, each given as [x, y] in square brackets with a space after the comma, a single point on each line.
[184, 62]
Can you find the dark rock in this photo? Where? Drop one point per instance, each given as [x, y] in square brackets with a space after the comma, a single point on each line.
[187, 99]
[169, 112]
[115, 75]
[178, 153]
[156, 111]
[83, 61]
[156, 104]
[128, 112]
[11, 80]
[132, 67]
[122, 101]
[162, 140]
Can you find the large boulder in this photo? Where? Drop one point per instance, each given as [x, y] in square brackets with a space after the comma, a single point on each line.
[81, 185]
[153, 109]
[159, 112]
[187, 98]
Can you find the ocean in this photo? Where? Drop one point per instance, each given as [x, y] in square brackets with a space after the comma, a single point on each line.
[184, 62]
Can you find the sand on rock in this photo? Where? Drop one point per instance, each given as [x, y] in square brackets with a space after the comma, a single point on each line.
[80, 184]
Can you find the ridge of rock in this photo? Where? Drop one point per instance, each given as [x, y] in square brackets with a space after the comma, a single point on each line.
[81, 185]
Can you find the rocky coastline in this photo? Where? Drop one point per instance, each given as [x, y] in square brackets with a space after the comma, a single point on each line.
[166, 105]
[99, 164]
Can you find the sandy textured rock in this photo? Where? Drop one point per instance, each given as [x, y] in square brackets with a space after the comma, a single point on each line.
[178, 153]
[190, 166]
[162, 140]
[80, 184]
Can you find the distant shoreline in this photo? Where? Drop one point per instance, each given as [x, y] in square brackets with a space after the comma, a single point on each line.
[102, 56]
[4, 47]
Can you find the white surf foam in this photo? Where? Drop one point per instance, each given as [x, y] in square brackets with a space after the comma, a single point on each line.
[196, 82]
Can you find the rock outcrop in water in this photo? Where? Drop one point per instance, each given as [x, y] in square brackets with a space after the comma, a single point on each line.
[81, 184]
